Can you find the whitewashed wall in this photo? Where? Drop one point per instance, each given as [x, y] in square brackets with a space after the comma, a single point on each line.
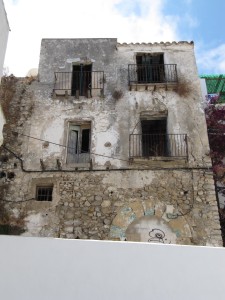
[56, 269]
[203, 89]
[4, 31]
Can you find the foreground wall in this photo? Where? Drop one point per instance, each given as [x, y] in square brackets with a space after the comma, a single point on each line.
[54, 269]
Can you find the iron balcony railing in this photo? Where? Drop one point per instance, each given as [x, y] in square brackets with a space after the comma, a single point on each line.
[152, 73]
[85, 83]
[158, 145]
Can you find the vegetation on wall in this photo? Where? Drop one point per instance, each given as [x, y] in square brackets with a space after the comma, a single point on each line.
[7, 91]
[183, 88]
[14, 107]
[117, 94]
[10, 225]
[215, 119]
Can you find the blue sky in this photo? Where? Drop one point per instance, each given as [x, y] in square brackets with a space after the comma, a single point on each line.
[207, 17]
[128, 20]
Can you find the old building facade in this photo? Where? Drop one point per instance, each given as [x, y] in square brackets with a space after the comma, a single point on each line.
[110, 142]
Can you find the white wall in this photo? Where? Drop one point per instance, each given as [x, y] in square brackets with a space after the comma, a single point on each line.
[4, 31]
[203, 89]
[42, 268]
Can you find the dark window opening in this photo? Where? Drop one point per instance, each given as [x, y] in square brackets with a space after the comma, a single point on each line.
[78, 147]
[150, 68]
[154, 137]
[85, 143]
[44, 193]
[11, 175]
[81, 80]
[2, 174]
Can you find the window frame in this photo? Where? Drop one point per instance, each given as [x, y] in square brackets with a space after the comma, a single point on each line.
[150, 67]
[154, 137]
[81, 81]
[49, 197]
[80, 126]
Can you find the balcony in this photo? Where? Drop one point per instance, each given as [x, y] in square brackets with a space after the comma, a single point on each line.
[158, 146]
[148, 76]
[86, 83]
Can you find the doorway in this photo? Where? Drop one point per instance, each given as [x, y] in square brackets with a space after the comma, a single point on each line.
[81, 80]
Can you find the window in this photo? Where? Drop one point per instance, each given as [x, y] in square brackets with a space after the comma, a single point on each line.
[78, 145]
[154, 137]
[44, 193]
[153, 140]
[150, 67]
[81, 80]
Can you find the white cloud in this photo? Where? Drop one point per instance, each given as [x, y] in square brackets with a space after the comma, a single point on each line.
[191, 21]
[188, 2]
[213, 60]
[30, 21]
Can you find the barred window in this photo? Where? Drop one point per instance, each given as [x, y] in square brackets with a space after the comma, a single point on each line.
[44, 193]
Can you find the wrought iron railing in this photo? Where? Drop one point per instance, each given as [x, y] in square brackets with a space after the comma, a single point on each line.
[158, 145]
[152, 73]
[85, 83]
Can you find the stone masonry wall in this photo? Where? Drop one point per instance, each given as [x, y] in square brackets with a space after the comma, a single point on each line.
[102, 204]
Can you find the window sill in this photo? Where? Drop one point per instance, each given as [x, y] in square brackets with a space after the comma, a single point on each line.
[160, 161]
[74, 166]
[141, 87]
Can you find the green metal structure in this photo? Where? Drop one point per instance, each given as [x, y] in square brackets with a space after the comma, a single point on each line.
[215, 85]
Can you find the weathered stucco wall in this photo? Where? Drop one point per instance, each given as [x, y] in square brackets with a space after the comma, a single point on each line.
[114, 119]
[114, 197]
[112, 122]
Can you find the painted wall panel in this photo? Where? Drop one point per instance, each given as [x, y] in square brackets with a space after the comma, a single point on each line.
[42, 268]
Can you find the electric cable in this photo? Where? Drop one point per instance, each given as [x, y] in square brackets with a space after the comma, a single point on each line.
[115, 158]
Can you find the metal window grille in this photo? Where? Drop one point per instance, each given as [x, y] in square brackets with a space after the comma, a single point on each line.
[80, 83]
[152, 73]
[44, 193]
[158, 145]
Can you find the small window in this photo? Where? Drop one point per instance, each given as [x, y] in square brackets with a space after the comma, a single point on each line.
[44, 193]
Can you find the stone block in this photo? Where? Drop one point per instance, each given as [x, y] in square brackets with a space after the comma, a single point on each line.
[106, 203]
[68, 229]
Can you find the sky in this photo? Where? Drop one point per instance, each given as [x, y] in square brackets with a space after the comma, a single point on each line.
[200, 21]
